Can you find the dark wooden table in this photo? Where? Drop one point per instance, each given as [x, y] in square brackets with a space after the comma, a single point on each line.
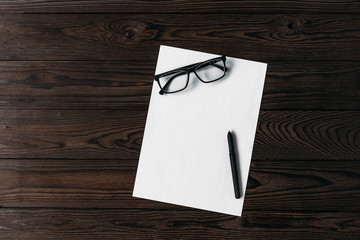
[75, 81]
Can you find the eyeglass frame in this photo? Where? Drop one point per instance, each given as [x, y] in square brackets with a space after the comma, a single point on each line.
[189, 69]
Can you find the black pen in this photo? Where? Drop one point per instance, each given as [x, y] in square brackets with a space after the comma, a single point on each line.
[233, 165]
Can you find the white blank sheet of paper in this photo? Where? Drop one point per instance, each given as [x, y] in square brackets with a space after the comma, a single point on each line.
[184, 158]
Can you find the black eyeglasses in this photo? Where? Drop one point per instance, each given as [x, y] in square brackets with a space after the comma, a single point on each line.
[178, 79]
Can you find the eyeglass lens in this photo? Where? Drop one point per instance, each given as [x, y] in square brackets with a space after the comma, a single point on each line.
[174, 82]
[211, 71]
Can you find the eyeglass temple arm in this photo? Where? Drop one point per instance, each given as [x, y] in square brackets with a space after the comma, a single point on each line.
[210, 63]
[202, 66]
[191, 66]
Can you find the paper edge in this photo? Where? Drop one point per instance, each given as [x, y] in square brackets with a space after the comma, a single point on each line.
[176, 204]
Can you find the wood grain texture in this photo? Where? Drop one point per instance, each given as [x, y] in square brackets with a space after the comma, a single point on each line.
[75, 81]
[273, 185]
[117, 134]
[76, 85]
[260, 37]
[179, 6]
[173, 224]
[308, 135]
[127, 85]
[95, 134]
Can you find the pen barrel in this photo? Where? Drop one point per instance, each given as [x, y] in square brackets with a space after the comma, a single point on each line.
[235, 175]
[234, 168]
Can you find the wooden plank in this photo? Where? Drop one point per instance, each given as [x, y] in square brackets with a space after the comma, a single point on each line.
[261, 37]
[95, 134]
[127, 85]
[80, 85]
[117, 134]
[180, 6]
[69, 183]
[172, 224]
[275, 185]
[307, 135]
